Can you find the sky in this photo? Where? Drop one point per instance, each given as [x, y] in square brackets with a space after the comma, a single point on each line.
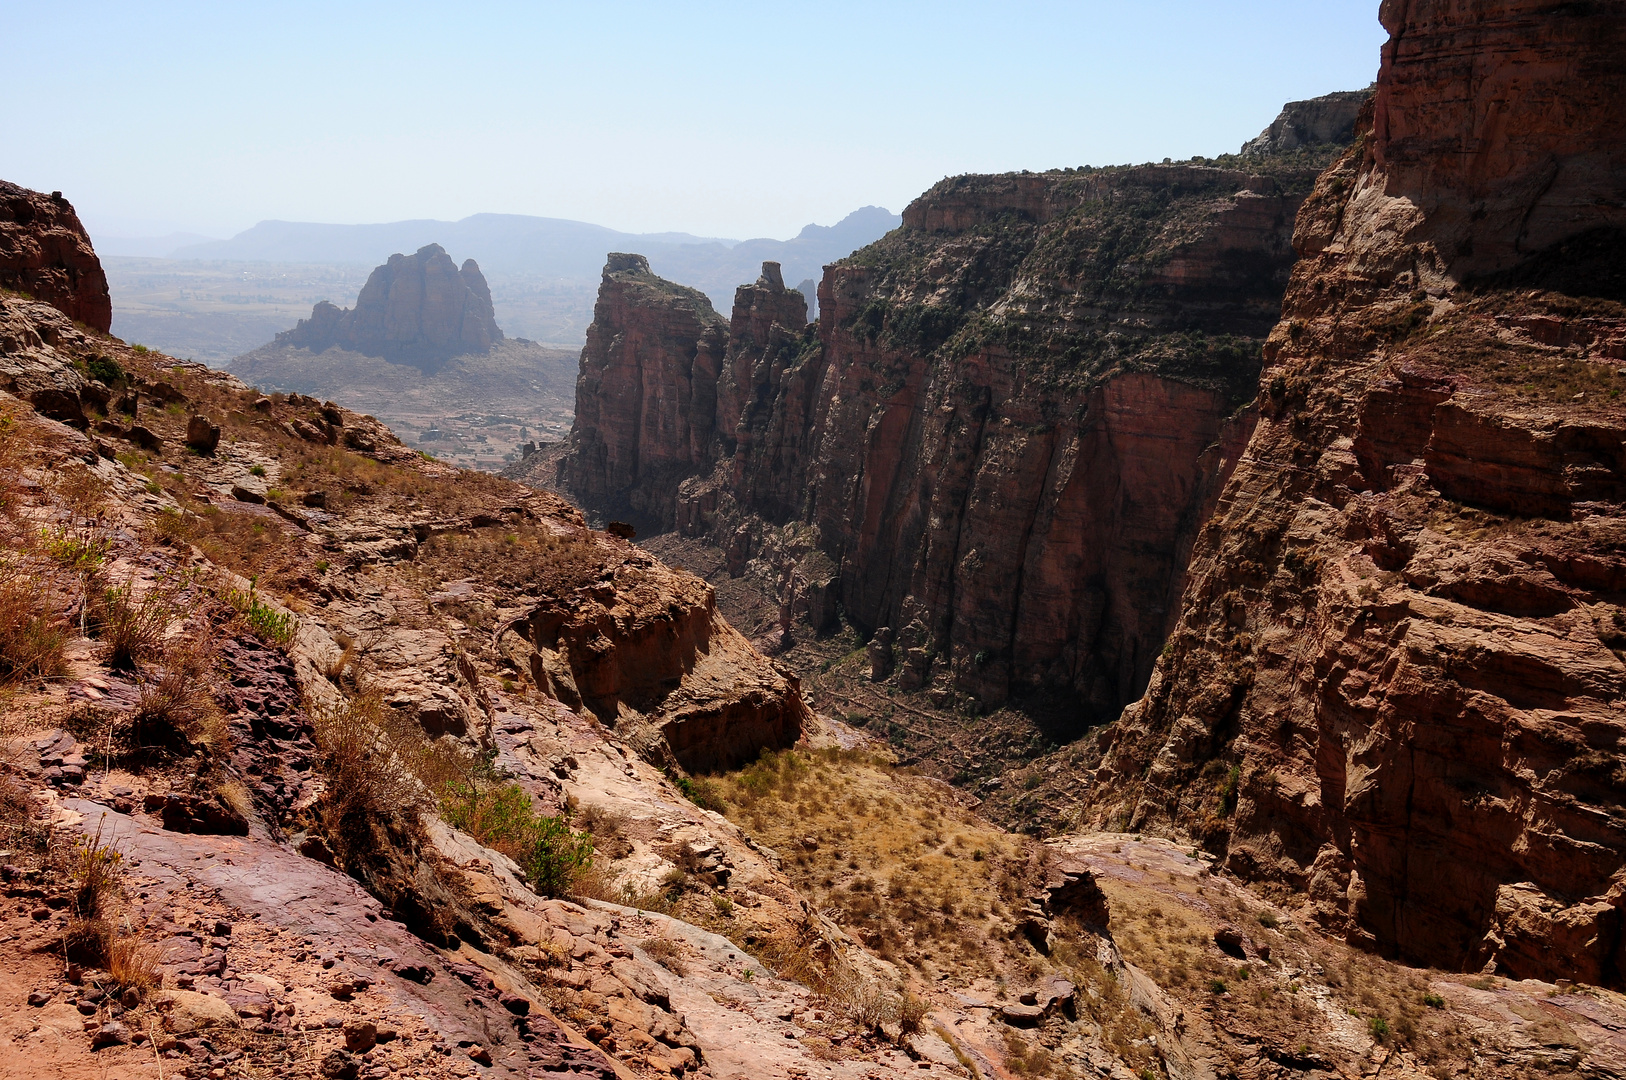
[719, 119]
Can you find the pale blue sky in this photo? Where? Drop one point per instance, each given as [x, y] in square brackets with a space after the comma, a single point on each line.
[726, 119]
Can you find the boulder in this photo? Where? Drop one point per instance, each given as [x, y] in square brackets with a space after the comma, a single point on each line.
[185, 1011]
[202, 434]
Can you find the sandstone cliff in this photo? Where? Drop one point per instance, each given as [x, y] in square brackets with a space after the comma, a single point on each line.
[418, 309]
[995, 447]
[645, 395]
[45, 252]
[1397, 679]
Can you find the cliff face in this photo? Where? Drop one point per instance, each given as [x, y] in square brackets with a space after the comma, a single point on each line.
[994, 449]
[45, 252]
[646, 394]
[1397, 679]
[418, 309]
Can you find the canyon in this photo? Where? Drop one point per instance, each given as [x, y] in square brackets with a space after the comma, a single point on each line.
[995, 446]
[1164, 622]
[1322, 571]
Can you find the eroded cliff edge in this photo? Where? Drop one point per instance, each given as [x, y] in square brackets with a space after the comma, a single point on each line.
[1396, 683]
[993, 450]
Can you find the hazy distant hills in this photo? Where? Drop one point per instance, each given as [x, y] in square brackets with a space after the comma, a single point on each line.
[215, 300]
[513, 244]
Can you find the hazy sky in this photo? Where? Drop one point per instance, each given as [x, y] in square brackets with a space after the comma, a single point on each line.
[723, 119]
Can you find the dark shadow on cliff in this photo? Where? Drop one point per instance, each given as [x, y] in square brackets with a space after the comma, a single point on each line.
[1590, 265]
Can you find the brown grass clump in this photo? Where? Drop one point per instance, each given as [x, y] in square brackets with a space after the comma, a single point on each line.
[132, 963]
[33, 630]
[667, 953]
[177, 705]
[370, 755]
[88, 941]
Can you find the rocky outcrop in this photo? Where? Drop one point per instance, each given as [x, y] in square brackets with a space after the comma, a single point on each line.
[645, 651]
[46, 253]
[418, 309]
[999, 440]
[1397, 679]
[646, 394]
[1329, 119]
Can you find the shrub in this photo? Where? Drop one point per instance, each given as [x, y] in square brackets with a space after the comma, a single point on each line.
[270, 625]
[1379, 1027]
[104, 368]
[256, 470]
[1433, 1000]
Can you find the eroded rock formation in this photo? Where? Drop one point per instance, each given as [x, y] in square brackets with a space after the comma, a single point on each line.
[418, 309]
[646, 394]
[1306, 124]
[999, 440]
[45, 252]
[1397, 679]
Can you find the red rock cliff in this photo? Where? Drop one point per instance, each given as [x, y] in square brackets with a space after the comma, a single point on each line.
[1007, 428]
[1397, 679]
[46, 253]
[645, 396]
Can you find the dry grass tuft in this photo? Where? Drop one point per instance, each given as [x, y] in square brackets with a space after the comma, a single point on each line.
[133, 963]
[667, 953]
[372, 756]
[178, 705]
[88, 941]
[33, 631]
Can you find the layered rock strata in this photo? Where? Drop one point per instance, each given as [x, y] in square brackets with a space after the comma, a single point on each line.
[46, 253]
[1397, 680]
[418, 309]
[998, 442]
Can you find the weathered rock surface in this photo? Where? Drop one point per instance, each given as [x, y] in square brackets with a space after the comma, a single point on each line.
[418, 309]
[1316, 122]
[645, 651]
[46, 253]
[1397, 679]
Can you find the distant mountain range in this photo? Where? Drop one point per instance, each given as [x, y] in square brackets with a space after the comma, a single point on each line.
[219, 298]
[515, 244]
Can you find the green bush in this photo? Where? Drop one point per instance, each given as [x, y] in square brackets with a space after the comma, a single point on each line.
[104, 368]
[552, 855]
[269, 624]
[81, 554]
